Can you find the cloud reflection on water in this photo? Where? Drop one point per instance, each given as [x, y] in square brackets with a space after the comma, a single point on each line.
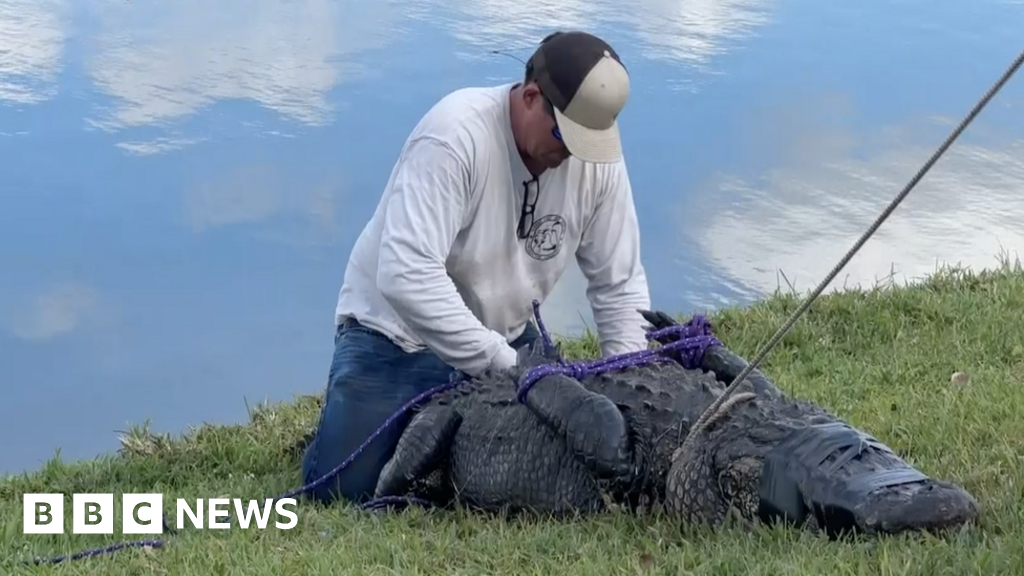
[260, 192]
[32, 36]
[802, 217]
[687, 32]
[59, 310]
[694, 31]
[164, 62]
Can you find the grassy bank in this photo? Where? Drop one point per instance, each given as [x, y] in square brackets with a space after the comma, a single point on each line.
[881, 359]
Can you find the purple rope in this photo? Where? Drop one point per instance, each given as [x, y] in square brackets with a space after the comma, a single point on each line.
[383, 501]
[380, 429]
[695, 337]
[97, 551]
[548, 344]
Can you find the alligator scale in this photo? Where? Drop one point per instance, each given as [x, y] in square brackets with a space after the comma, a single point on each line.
[578, 445]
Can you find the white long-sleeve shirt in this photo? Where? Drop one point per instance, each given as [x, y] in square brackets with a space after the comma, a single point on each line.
[439, 265]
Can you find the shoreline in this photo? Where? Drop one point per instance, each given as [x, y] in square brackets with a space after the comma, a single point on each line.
[884, 359]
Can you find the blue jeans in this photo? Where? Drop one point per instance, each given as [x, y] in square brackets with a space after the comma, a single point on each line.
[370, 379]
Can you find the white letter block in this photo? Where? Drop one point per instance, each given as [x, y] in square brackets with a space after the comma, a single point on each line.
[142, 514]
[43, 514]
[92, 514]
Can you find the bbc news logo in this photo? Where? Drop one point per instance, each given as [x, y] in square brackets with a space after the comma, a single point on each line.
[143, 513]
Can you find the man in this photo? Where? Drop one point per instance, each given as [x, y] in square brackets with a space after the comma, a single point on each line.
[494, 190]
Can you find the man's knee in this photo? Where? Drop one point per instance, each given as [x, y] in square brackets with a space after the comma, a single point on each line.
[356, 394]
[355, 483]
[370, 379]
[357, 480]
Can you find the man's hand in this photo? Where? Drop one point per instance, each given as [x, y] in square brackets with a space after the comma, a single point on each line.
[504, 359]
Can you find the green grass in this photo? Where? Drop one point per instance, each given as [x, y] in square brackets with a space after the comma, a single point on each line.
[881, 359]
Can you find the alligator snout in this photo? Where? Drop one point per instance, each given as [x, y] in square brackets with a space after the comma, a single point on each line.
[931, 505]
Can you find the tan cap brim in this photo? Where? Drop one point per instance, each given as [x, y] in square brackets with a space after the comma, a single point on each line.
[587, 144]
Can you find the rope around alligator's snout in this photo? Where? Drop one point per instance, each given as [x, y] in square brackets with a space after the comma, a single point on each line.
[711, 410]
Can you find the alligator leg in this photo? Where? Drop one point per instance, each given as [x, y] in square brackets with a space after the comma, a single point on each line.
[596, 431]
[420, 449]
[726, 364]
[694, 490]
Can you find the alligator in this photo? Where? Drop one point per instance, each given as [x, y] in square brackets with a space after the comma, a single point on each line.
[589, 443]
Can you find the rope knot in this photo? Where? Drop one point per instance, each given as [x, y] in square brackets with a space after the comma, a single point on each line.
[694, 337]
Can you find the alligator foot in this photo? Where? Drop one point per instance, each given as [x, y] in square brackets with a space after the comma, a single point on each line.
[724, 363]
[595, 429]
[420, 449]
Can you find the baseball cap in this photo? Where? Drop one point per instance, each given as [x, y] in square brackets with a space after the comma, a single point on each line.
[588, 85]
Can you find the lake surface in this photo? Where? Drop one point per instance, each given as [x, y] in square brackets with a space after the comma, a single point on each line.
[181, 182]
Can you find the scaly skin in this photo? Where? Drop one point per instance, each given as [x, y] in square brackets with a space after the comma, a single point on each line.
[479, 446]
[613, 439]
[722, 472]
[767, 434]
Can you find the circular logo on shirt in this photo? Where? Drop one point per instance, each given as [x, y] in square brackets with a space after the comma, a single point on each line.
[546, 235]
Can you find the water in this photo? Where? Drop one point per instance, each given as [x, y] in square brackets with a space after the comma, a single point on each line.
[181, 181]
